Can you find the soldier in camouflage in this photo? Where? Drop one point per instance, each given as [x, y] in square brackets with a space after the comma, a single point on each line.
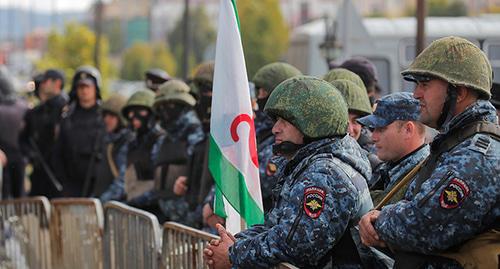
[139, 175]
[154, 77]
[354, 92]
[174, 107]
[399, 139]
[454, 202]
[265, 80]
[110, 173]
[320, 193]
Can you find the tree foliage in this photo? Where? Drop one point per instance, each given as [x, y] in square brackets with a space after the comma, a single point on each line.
[141, 57]
[202, 36]
[264, 33]
[443, 8]
[73, 48]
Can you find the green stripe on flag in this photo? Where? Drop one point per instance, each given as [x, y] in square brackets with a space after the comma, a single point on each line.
[231, 183]
[236, 14]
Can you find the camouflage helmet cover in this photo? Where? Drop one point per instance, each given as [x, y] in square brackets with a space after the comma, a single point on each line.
[312, 105]
[141, 98]
[115, 104]
[455, 60]
[174, 91]
[342, 73]
[356, 98]
[270, 75]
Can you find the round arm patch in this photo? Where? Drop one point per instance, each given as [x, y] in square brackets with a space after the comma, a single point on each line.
[453, 194]
[314, 201]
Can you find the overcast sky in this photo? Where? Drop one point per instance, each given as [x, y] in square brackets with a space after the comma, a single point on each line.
[46, 5]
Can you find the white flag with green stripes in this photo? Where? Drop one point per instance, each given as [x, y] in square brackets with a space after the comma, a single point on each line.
[233, 152]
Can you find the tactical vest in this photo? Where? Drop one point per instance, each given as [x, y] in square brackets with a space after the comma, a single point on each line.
[171, 164]
[482, 251]
[200, 179]
[139, 176]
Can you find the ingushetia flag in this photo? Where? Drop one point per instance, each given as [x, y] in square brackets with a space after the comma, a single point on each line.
[233, 152]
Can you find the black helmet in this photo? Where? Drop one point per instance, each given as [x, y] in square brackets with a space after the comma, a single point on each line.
[89, 74]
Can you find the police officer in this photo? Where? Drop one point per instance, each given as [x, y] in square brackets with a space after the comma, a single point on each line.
[399, 138]
[154, 77]
[40, 132]
[201, 89]
[321, 192]
[139, 175]
[454, 201]
[178, 192]
[358, 106]
[78, 150]
[12, 110]
[265, 80]
[110, 172]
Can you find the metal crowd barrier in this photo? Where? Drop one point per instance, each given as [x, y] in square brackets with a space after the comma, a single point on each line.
[24, 233]
[183, 246]
[76, 226]
[131, 237]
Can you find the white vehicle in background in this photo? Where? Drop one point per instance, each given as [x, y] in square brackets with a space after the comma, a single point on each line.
[388, 42]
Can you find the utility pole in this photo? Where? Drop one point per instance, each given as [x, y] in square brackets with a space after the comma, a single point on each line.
[421, 13]
[98, 32]
[186, 40]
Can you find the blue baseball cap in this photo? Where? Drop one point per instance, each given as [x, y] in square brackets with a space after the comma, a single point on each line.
[395, 106]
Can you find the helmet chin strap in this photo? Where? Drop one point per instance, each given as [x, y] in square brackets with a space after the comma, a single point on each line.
[286, 148]
[448, 107]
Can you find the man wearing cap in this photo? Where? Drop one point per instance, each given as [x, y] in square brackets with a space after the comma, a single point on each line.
[154, 77]
[451, 210]
[79, 146]
[40, 132]
[399, 139]
[321, 192]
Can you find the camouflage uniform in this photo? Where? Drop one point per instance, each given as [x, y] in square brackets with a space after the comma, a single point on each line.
[424, 222]
[458, 199]
[186, 128]
[321, 191]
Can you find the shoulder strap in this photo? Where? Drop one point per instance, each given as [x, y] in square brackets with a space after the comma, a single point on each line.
[452, 140]
[403, 182]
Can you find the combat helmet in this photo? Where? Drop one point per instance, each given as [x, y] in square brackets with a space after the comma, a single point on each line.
[270, 75]
[355, 97]
[342, 73]
[174, 91]
[455, 60]
[86, 72]
[141, 98]
[203, 78]
[115, 104]
[312, 105]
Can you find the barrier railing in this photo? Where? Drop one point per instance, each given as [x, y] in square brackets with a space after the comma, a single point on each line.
[24, 233]
[183, 246]
[76, 226]
[131, 237]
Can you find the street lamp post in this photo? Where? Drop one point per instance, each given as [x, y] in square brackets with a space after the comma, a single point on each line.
[330, 48]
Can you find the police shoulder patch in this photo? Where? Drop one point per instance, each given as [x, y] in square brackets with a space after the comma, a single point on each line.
[314, 201]
[454, 194]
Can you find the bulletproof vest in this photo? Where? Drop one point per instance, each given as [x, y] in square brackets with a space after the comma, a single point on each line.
[480, 251]
[107, 170]
[200, 179]
[139, 155]
[171, 164]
